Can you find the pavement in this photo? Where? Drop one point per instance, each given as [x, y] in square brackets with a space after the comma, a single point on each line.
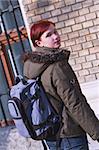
[11, 140]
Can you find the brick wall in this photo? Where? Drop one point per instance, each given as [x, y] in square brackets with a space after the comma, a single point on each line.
[78, 24]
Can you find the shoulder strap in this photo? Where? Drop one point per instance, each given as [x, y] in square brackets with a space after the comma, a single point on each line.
[46, 66]
[44, 145]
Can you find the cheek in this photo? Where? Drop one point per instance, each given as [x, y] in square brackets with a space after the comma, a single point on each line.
[49, 41]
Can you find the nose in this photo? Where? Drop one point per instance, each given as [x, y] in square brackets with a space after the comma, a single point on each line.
[56, 36]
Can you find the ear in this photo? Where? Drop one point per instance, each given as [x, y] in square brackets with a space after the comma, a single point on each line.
[39, 43]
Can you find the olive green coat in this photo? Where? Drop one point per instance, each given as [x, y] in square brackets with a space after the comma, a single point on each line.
[61, 85]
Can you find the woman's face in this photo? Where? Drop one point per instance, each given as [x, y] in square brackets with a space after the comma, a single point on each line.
[50, 38]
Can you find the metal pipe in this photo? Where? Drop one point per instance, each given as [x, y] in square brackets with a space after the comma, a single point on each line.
[2, 109]
[9, 43]
[19, 34]
[6, 68]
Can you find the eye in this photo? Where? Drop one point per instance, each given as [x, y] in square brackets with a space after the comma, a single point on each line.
[55, 32]
[49, 34]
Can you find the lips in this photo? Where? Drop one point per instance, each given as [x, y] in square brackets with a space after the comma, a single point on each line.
[57, 42]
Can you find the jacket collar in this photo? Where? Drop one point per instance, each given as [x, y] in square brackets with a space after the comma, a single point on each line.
[47, 55]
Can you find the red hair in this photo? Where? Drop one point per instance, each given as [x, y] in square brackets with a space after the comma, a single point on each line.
[38, 29]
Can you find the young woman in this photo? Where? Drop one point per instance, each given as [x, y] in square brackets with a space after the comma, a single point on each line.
[61, 86]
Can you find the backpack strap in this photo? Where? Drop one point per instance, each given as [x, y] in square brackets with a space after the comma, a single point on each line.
[44, 145]
[58, 144]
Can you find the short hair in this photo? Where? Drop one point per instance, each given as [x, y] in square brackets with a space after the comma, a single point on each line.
[38, 28]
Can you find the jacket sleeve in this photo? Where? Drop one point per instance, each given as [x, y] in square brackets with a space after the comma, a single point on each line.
[74, 100]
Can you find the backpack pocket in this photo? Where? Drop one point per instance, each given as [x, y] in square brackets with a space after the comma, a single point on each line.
[16, 116]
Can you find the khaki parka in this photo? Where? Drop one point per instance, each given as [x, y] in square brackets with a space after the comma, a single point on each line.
[63, 90]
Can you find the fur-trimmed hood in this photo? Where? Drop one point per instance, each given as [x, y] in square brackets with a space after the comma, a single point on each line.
[47, 55]
[37, 61]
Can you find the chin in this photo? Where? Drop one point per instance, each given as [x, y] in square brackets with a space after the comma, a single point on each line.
[58, 46]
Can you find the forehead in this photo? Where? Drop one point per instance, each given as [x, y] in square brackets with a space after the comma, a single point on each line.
[51, 28]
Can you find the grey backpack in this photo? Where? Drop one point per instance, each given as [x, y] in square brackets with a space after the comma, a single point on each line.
[32, 111]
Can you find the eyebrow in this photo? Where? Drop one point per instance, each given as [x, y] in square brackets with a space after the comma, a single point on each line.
[49, 32]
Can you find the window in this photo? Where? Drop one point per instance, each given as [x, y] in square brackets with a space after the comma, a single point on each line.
[11, 25]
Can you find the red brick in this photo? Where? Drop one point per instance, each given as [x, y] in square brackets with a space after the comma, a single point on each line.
[72, 61]
[59, 4]
[49, 8]
[81, 39]
[90, 78]
[39, 11]
[77, 67]
[77, 47]
[94, 29]
[91, 37]
[76, 6]
[70, 42]
[69, 48]
[63, 17]
[74, 55]
[46, 15]
[87, 65]
[54, 19]
[94, 70]
[69, 2]
[26, 2]
[64, 37]
[66, 30]
[26, 8]
[79, 0]
[36, 18]
[80, 19]
[69, 22]
[29, 20]
[66, 9]
[83, 52]
[94, 8]
[81, 79]
[53, 2]
[95, 63]
[96, 21]
[94, 50]
[90, 16]
[56, 12]
[84, 11]
[60, 25]
[83, 72]
[97, 75]
[77, 27]
[62, 44]
[32, 6]
[91, 57]
[42, 3]
[30, 13]
[87, 3]
[97, 55]
[73, 14]
[96, 42]
[87, 45]
[87, 24]
[73, 35]
[83, 32]
[96, 2]
[80, 60]
[97, 14]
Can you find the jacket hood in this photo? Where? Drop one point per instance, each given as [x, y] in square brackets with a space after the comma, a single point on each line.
[47, 55]
[36, 62]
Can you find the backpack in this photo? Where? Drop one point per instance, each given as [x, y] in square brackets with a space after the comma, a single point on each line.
[31, 110]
